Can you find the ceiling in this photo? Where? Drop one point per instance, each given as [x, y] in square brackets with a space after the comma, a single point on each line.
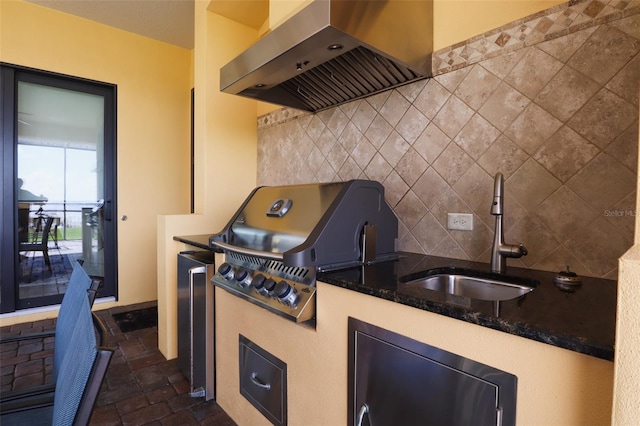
[170, 21]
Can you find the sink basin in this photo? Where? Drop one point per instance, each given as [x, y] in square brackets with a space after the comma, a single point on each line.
[474, 284]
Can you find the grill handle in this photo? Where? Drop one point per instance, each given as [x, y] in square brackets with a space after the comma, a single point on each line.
[247, 251]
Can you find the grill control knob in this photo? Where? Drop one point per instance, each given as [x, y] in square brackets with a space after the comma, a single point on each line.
[269, 285]
[286, 293]
[226, 271]
[258, 283]
[243, 277]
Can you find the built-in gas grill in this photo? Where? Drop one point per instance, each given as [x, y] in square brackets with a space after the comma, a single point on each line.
[282, 235]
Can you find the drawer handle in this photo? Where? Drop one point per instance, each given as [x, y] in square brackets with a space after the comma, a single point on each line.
[363, 410]
[256, 381]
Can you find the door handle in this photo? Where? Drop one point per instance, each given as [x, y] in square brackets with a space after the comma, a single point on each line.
[364, 409]
[256, 381]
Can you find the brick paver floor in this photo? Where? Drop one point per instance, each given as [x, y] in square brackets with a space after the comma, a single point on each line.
[141, 386]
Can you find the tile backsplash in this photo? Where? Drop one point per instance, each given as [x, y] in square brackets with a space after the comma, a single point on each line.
[554, 108]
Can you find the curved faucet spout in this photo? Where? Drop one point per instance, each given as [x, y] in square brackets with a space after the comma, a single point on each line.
[500, 250]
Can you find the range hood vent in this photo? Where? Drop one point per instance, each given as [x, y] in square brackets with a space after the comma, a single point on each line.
[332, 52]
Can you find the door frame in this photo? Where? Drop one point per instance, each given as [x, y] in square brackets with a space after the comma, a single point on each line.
[9, 260]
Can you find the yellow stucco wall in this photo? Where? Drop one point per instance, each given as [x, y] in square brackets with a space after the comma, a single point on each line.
[153, 97]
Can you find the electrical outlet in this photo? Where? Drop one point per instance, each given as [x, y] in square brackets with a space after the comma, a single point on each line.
[460, 221]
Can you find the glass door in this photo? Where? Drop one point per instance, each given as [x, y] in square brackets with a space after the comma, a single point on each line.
[63, 174]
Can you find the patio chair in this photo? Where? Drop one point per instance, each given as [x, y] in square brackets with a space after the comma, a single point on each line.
[40, 242]
[81, 287]
[79, 378]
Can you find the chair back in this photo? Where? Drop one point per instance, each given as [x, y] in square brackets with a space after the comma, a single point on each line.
[82, 370]
[80, 289]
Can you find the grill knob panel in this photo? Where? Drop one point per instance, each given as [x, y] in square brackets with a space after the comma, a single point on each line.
[226, 271]
[286, 293]
[243, 277]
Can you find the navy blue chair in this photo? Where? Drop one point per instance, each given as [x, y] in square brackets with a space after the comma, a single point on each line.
[79, 378]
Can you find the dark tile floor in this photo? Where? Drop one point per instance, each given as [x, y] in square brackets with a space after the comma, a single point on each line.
[141, 387]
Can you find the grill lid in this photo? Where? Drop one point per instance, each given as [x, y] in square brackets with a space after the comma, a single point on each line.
[326, 225]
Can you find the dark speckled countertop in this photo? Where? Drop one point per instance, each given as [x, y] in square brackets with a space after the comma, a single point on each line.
[581, 321]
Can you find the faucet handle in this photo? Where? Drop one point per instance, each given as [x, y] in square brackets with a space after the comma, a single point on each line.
[523, 250]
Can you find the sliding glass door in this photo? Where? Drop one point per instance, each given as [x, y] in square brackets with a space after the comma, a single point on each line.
[59, 161]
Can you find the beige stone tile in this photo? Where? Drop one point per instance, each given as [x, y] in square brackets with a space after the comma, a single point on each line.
[378, 100]
[350, 170]
[559, 259]
[411, 166]
[350, 137]
[564, 213]
[532, 128]
[513, 212]
[476, 136]
[394, 148]
[565, 153]
[394, 108]
[476, 87]
[431, 99]
[503, 106]
[600, 247]
[326, 173]
[315, 127]
[429, 233]
[449, 248]
[531, 184]
[411, 91]
[451, 79]
[566, 93]
[625, 148]
[624, 215]
[625, 83]
[503, 156]
[337, 122]
[501, 65]
[533, 72]
[537, 239]
[402, 229]
[603, 183]
[431, 143]
[475, 242]
[429, 188]
[562, 48]
[363, 116]
[394, 188]
[452, 163]
[378, 168]
[350, 108]
[629, 25]
[315, 160]
[410, 209]
[337, 156]
[453, 116]
[304, 144]
[475, 187]
[603, 118]
[409, 244]
[412, 124]
[605, 53]
[326, 142]
[378, 131]
[363, 153]
[449, 202]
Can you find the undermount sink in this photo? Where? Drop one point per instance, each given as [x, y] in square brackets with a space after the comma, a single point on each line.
[474, 284]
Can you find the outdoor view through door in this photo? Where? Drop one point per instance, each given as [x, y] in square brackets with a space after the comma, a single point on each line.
[63, 188]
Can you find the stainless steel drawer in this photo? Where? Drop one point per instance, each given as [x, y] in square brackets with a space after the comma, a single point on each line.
[263, 381]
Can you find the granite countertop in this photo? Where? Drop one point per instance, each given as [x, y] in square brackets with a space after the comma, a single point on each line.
[582, 320]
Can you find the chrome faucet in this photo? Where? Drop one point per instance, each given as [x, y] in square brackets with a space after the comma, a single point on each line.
[500, 251]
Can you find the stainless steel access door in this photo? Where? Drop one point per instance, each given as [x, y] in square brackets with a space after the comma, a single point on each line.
[196, 321]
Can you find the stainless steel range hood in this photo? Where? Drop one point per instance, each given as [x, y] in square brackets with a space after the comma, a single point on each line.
[334, 51]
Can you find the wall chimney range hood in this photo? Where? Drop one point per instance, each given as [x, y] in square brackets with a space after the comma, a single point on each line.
[335, 51]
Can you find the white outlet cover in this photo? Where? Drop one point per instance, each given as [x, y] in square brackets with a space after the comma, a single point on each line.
[460, 221]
